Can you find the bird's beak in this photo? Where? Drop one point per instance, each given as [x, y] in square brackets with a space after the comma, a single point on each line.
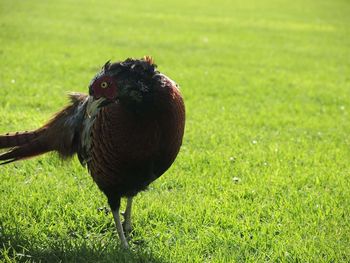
[93, 105]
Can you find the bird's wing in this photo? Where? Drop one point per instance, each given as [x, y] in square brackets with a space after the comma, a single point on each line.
[92, 109]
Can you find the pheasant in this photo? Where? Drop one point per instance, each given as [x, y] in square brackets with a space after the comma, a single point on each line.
[127, 131]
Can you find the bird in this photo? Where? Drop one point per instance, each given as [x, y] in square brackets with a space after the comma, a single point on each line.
[127, 131]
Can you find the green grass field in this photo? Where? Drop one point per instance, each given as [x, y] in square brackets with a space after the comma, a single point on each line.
[263, 174]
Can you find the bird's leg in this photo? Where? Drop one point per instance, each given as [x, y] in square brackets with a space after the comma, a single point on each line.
[120, 228]
[115, 211]
[127, 217]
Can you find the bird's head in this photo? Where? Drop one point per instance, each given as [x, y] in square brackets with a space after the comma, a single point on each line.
[130, 82]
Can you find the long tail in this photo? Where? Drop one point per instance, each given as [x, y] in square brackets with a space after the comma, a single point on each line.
[18, 138]
[59, 134]
[28, 150]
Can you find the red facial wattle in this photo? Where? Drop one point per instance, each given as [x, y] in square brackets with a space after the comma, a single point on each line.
[105, 87]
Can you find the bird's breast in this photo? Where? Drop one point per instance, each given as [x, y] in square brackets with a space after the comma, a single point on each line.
[128, 151]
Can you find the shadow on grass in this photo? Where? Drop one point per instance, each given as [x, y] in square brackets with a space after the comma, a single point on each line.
[18, 248]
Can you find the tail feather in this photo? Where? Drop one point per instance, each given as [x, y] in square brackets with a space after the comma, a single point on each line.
[18, 138]
[60, 134]
[28, 150]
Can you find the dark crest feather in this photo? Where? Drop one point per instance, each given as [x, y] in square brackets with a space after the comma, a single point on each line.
[144, 67]
[106, 65]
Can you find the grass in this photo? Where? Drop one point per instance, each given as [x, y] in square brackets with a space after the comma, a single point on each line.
[263, 174]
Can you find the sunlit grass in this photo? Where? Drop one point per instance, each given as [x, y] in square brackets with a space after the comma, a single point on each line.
[263, 174]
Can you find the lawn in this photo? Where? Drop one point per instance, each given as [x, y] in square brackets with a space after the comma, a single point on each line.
[263, 173]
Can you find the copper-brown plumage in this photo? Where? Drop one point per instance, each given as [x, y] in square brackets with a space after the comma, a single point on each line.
[55, 135]
[128, 131]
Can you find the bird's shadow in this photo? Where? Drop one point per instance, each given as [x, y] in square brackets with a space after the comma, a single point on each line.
[24, 248]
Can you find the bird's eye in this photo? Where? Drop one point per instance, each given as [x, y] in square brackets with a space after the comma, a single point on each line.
[104, 85]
